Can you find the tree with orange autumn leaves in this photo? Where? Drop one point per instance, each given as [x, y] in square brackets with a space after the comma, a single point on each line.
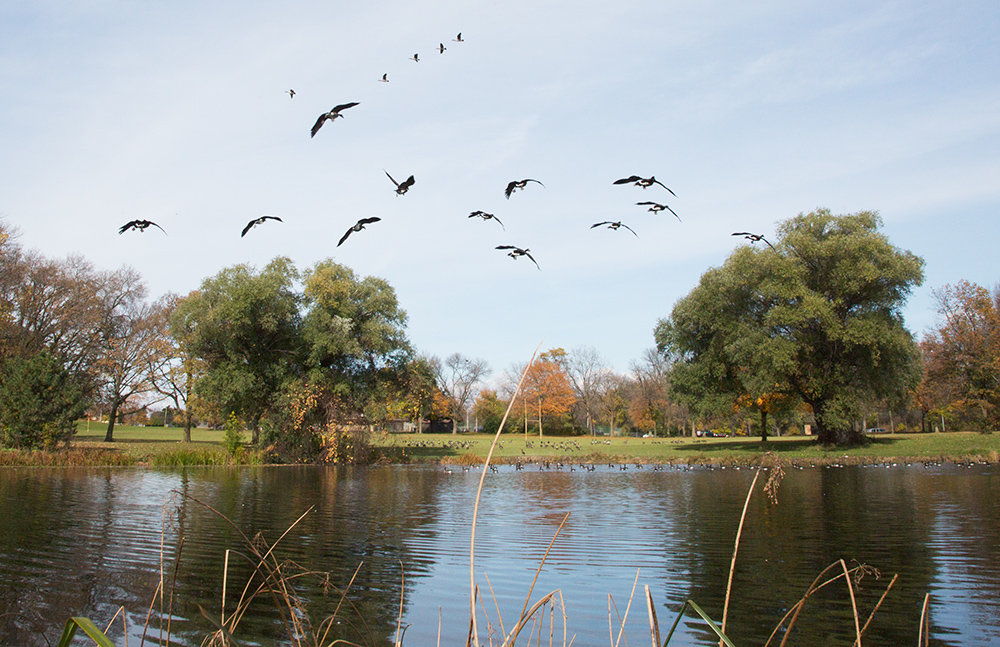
[962, 357]
[546, 396]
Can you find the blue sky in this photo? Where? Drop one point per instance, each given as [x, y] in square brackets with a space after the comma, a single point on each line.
[177, 112]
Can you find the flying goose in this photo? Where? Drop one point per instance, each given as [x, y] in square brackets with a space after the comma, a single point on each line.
[644, 182]
[256, 221]
[333, 114]
[518, 184]
[357, 227]
[139, 225]
[517, 251]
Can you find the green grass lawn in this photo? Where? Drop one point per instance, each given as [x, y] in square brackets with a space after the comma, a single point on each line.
[163, 446]
[956, 446]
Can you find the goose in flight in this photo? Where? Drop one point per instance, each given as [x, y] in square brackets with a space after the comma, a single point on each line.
[458, 39]
[385, 78]
[290, 93]
[401, 187]
[486, 216]
[333, 114]
[517, 251]
[753, 238]
[358, 226]
[656, 207]
[615, 226]
[415, 57]
[256, 221]
[518, 184]
[441, 48]
[644, 182]
[139, 225]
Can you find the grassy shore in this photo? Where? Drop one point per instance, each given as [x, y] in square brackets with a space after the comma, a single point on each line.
[950, 447]
[159, 446]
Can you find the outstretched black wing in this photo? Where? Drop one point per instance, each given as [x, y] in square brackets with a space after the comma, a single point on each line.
[319, 124]
[655, 181]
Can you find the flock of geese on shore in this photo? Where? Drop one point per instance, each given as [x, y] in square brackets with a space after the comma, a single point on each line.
[401, 188]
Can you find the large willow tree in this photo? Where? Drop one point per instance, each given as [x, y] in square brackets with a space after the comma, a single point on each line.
[816, 318]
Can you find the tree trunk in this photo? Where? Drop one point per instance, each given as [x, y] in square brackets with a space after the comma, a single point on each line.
[188, 383]
[763, 425]
[255, 430]
[187, 425]
[109, 437]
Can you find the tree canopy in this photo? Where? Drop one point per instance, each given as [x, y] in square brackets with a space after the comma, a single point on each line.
[962, 356]
[244, 325]
[815, 317]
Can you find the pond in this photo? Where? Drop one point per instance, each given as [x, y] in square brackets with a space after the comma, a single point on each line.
[89, 541]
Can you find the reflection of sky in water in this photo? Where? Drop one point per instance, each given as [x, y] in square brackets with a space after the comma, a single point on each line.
[964, 606]
[87, 541]
[617, 528]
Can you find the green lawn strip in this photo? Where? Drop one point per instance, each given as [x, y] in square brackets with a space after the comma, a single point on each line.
[162, 446]
[955, 446]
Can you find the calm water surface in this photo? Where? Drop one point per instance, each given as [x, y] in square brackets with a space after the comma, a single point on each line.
[86, 542]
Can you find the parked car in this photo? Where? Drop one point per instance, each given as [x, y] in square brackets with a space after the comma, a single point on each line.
[876, 430]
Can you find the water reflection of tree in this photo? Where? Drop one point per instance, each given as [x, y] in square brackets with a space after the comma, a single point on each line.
[361, 517]
[93, 542]
[823, 515]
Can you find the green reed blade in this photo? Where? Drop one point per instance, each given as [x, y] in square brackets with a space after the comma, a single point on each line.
[704, 616]
[88, 627]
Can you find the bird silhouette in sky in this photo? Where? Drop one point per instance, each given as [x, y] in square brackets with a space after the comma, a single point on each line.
[415, 57]
[333, 114]
[358, 226]
[385, 78]
[644, 182]
[401, 187]
[615, 226]
[139, 225]
[753, 238]
[517, 251]
[458, 39]
[656, 207]
[441, 48]
[256, 221]
[486, 216]
[518, 184]
[290, 93]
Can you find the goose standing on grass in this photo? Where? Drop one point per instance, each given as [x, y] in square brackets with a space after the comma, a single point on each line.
[333, 114]
[357, 227]
[139, 225]
[518, 185]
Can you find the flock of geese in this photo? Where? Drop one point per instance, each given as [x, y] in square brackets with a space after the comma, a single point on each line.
[401, 188]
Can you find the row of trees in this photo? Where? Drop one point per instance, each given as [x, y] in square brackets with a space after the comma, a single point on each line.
[807, 329]
[71, 337]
